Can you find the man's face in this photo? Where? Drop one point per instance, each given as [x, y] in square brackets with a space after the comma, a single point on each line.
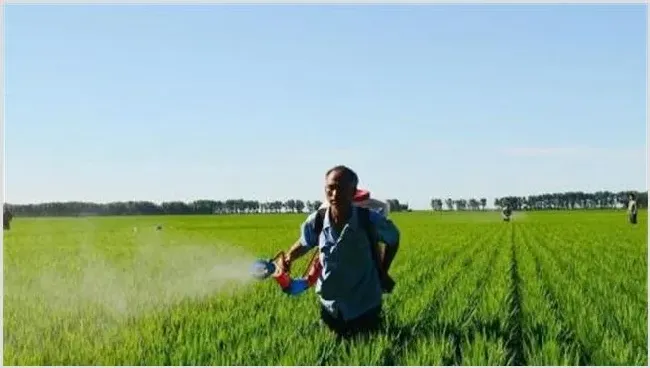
[338, 189]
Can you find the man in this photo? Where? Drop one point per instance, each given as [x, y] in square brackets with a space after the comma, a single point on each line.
[350, 286]
[632, 208]
[7, 216]
[507, 212]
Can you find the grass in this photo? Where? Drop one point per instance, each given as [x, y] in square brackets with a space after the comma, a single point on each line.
[549, 288]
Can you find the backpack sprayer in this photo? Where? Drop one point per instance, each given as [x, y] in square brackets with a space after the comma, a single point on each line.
[278, 269]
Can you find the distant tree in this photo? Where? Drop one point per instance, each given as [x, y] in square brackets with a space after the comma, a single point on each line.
[474, 204]
[299, 205]
[290, 205]
[450, 204]
[396, 206]
[436, 204]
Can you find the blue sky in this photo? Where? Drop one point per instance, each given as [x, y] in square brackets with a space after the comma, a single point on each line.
[161, 103]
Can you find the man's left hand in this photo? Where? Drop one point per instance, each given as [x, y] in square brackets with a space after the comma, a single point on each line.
[387, 283]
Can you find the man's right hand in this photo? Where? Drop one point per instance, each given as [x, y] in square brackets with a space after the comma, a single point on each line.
[286, 262]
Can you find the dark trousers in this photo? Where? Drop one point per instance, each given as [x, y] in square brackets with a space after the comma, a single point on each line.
[369, 322]
[633, 218]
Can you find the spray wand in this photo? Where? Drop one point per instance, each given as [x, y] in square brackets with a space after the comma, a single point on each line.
[278, 269]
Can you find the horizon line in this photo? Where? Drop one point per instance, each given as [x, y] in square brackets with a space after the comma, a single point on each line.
[312, 200]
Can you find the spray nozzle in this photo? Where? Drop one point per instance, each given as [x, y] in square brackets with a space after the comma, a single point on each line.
[262, 269]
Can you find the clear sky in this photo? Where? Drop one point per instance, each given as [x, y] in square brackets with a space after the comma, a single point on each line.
[158, 103]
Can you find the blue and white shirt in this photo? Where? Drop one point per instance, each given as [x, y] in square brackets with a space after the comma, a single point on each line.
[349, 284]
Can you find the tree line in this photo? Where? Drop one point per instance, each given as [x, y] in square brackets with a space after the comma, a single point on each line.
[199, 207]
[547, 201]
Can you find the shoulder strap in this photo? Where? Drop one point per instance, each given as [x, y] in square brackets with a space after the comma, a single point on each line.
[363, 215]
[320, 216]
[365, 222]
[318, 225]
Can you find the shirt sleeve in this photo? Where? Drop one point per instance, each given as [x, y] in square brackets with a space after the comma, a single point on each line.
[386, 229]
[308, 237]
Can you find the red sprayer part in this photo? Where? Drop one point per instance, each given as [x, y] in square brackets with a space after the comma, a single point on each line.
[314, 272]
[361, 195]
[281, 274]
[283, 279]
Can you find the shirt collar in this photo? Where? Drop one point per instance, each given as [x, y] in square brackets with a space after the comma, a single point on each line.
[352, 222]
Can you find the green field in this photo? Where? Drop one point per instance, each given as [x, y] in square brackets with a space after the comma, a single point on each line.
[547, 289]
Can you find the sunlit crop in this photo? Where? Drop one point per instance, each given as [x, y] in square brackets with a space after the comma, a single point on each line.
[550, 288]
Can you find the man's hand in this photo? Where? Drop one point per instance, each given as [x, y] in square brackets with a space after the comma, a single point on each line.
[389, 255]
[296, 251]
[387, 283]
[286, 263]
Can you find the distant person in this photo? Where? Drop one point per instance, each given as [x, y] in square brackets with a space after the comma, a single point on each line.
[353, 277]
[7, 216]
[632, 208]
[506, 213]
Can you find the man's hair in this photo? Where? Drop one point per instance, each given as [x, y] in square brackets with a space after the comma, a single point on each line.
[349, 174]
[632, 195]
